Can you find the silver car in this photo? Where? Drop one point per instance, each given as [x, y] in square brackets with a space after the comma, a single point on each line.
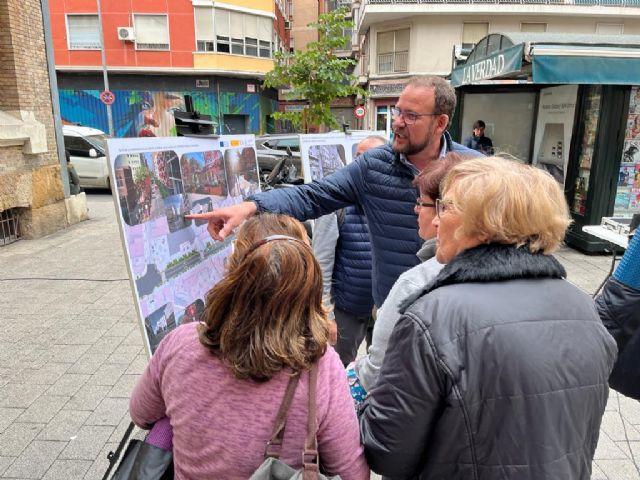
[87, 148]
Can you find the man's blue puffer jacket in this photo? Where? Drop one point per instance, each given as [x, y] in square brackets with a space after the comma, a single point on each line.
[382, 185]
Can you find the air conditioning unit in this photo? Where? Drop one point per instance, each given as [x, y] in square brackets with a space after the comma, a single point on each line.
[287, 24]
[126, 33]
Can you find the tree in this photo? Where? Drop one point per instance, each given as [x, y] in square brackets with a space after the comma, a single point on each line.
[316, 74]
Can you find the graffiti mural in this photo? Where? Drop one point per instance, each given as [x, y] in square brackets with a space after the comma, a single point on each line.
[139, 113]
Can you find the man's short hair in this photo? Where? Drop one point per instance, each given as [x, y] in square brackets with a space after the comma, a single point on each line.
[479, 124]
[444, 93]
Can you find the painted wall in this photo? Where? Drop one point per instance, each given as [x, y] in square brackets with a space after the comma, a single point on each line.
[229, 62]
[432, 37]
[139, 113]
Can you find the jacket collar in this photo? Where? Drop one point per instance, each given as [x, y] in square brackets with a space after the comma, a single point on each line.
[448, 146]
[496, 262]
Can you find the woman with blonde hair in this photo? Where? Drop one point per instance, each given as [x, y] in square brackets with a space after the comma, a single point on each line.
[498, 371]
[221, 382]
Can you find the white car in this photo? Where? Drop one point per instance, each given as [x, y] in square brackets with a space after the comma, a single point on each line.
[87, 148]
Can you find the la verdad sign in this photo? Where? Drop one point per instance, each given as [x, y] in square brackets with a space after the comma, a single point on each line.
[496, 65]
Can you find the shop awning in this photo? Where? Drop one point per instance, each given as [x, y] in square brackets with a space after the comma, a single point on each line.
[553, 58]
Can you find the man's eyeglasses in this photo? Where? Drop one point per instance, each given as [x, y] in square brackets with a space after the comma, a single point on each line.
[420, 203]
[443, 206]
[409, 117]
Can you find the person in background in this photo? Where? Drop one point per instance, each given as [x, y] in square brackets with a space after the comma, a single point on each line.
[74, 179]
[380, 181]
[477, 141]
[619, 309]
[220, 382]
[410, 284]
[341, 246]
[499, 371]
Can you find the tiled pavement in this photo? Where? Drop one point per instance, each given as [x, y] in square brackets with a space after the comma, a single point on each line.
[71, 350]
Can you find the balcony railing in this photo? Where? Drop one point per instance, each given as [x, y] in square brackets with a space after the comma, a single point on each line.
[393, 62]
[600, 3]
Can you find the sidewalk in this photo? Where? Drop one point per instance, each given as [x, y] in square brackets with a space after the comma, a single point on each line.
[71, 350]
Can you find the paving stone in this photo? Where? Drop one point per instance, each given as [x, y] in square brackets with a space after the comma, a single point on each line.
[88, 397]
[616, 429]
[100, 464]
[16, 395]
[124, 386]
[67, 353]
[607, 449]
[120, 329]
[43, 409]
[88, 444]
[64, 425]
[68, 384]
[79, 336]
[134, 338]
[67, 469]
[8, 415]
[138, 365]
[619, 469]
[630, 409]
[109, 412]
[107, 374]
[35, 460]
[5, 462]
[16, 437]
[48, 374]
[106, 345]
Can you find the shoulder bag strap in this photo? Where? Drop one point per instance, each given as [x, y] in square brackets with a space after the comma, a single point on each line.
[310, 459]
[274, 445]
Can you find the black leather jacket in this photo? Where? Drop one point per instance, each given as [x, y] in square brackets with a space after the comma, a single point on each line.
[498, 372]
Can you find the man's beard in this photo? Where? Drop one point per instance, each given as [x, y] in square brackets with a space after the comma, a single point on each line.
[411, 147]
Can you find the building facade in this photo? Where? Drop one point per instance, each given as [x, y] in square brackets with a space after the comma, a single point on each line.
[402, 38]
[156, 52]
[32, 194]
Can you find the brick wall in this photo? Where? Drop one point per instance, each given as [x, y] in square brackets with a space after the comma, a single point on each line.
[31, 182]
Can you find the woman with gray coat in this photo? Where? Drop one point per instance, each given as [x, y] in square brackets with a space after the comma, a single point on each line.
[499, 371]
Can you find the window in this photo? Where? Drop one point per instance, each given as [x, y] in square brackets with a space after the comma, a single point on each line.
[204, 29]
[152, 32]
[533, 27]
[609, 28]
[83, 32]
[229, 31]
[474, 32]
[393, 51]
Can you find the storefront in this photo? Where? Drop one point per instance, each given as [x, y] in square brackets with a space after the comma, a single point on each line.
[569, 104]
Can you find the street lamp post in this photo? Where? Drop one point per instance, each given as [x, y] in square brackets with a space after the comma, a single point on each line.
[104, 68]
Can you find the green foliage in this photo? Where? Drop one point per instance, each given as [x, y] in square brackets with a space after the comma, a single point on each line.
[316, 74]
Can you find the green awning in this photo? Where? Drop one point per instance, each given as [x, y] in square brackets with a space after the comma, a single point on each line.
[553, 59]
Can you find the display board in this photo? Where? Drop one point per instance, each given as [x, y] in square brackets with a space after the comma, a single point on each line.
[324, 153]
[556, 112]
[627, 200]
[174, 262]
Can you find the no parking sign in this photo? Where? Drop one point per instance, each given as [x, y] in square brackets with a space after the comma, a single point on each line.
[107, 97]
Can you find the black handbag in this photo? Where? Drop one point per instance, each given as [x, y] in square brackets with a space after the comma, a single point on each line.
[140, 461]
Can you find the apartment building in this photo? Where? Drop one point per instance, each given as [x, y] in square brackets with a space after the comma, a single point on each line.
[158, 51]
[402, 38]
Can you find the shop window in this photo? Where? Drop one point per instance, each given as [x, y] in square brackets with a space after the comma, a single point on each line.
[83, 32]
[383, 119]
[609, 28]
[238, 33]
[501, 112]
[474, 32]
[152, 31]
[533, 27]
[393, 51]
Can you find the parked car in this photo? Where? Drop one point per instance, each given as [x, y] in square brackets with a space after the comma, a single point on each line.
[271, 149]
[87, 148]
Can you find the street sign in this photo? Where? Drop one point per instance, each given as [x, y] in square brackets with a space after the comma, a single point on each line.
[359, 111]
[107, 97]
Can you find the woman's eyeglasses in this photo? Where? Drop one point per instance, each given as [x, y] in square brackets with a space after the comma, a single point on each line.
[443, 206]
[420, 203]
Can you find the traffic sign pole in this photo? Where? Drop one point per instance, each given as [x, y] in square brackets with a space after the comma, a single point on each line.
[104, 70]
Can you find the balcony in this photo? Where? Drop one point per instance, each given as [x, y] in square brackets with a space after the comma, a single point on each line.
[394, 62]
[597, 3]
[377, 11]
